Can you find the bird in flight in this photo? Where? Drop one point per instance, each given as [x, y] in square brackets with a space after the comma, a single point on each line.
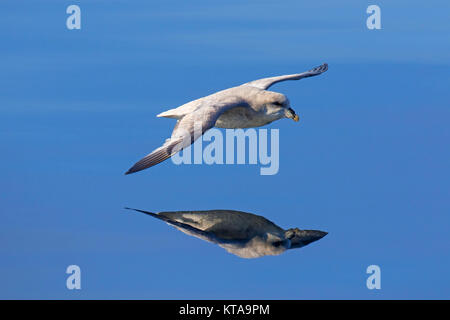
[246, 106]
[243, 234]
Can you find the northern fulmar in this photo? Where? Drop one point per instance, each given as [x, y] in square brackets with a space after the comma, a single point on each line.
[246, 106]
[243, 234]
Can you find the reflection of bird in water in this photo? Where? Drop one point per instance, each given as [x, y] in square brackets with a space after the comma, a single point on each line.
[246, 106]
[244, 234]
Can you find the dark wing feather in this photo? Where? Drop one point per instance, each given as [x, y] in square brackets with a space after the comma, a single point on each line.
[207, 236]
[185, 131]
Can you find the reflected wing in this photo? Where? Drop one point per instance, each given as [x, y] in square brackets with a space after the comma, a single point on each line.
[226, 225]
[186, 228]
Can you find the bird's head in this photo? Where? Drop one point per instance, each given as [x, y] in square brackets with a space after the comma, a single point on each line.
[278, 104]
[300, 238]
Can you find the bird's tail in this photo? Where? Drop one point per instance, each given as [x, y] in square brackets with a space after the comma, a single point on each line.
[171, 114]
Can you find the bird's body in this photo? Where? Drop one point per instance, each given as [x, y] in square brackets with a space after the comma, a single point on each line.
[246, 106]
[251, 112]
[244, 234]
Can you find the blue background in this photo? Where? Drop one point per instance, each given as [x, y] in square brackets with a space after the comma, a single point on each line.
[368, 162]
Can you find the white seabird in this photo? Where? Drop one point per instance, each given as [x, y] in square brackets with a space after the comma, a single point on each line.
[245, 106]
[243, 234]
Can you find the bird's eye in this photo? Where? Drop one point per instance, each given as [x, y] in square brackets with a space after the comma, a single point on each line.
[276, 243]
[278, 103]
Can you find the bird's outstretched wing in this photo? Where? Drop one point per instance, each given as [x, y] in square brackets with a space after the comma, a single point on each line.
[186, 228]
[188, 129]
[226, 225]
[265, 83]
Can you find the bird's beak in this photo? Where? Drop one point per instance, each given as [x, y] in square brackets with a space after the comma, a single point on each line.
[301, 238]
[293, 115]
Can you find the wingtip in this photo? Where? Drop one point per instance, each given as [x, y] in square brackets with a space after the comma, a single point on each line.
[130, 171]
[132, 209]
[319, 69]
[143, 211]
